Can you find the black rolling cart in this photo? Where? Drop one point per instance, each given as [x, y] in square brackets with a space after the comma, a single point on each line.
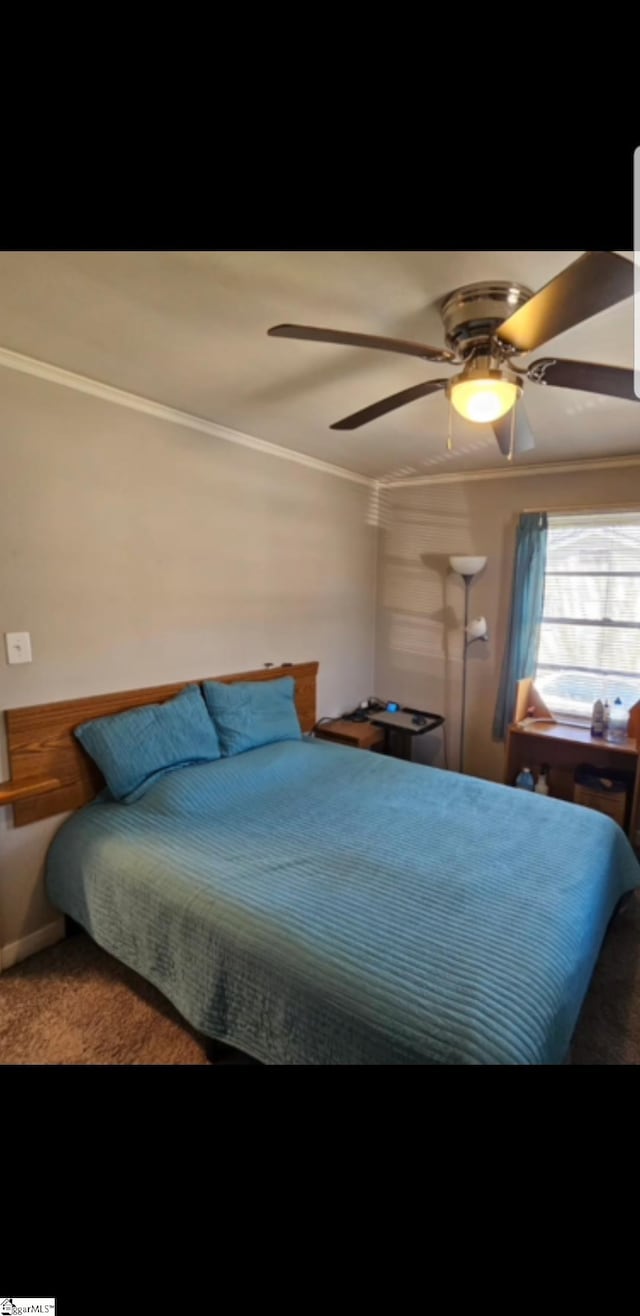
[400, 729]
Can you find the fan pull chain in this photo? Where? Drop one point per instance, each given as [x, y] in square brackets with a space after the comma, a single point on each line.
[513, 434]
[450, 428]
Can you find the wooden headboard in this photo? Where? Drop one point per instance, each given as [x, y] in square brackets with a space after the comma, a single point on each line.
[50, 771]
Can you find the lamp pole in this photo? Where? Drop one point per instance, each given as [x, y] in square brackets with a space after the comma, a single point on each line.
[465, 643]
[467, 567]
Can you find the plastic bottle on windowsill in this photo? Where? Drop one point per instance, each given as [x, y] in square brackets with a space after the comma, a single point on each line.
[606, 714]
[618, 722]
[524, 780]
[597, 719]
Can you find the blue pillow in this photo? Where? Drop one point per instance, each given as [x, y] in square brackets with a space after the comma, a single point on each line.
[253, 713]
[133, 749]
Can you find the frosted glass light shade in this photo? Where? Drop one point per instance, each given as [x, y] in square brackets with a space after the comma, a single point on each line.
[477, 629]
[484, 400]
[467, 566]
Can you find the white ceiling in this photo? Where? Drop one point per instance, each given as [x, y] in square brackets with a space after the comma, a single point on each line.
[188, 329]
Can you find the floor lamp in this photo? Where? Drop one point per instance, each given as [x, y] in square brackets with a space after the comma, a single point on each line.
[468, 567]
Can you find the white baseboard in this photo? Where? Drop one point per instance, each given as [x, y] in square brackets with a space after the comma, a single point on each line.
[20, 950]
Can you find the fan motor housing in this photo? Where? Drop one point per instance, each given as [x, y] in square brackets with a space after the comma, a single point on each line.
[485, 367]
[471, 315]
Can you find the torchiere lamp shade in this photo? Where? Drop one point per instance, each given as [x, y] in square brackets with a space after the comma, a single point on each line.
[467, 566]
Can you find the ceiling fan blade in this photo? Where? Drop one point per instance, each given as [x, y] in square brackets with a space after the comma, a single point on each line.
[313, 335]
[596, 280]
[523, 439]
[389, 404]
[614, 380]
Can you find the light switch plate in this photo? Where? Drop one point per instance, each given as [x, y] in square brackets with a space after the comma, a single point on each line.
[18, 646]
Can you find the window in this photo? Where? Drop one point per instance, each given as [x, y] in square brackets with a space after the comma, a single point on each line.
[590, 635]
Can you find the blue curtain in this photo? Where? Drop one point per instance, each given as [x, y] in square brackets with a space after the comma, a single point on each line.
[527, 597]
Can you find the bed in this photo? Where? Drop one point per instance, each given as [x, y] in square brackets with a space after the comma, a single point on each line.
[308, 903]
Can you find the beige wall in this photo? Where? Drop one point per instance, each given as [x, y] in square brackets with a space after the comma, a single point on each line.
[420, 602]
[137, 551]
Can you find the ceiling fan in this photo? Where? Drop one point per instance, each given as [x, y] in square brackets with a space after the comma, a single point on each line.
[485, 326]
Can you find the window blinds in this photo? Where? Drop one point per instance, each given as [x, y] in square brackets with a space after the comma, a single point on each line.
[591, 615]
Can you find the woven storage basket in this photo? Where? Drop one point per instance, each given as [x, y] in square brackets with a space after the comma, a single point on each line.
[613, 803]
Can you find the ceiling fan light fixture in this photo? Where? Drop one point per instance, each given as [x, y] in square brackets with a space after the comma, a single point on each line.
[485, 325]
[484, 395]
[484, 400]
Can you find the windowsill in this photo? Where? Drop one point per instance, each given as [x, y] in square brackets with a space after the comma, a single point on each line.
[571, 720]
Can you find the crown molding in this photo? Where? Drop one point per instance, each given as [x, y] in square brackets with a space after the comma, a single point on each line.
[515, 472]
[28, 365]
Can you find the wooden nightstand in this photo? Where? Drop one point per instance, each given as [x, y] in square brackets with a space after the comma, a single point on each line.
[360, 735]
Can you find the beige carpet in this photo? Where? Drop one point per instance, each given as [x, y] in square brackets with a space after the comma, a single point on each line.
[75, 1005]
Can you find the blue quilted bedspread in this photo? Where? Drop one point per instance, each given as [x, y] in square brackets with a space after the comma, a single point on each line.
[313, 904]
